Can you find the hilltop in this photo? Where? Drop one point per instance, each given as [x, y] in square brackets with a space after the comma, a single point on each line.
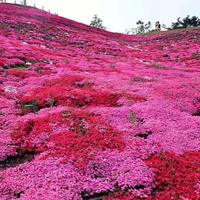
[90, 114]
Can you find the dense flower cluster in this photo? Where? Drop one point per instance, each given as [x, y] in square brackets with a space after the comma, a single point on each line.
[89, 114]
[176, 176]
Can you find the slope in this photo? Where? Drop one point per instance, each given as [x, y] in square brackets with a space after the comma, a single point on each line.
[90, 114]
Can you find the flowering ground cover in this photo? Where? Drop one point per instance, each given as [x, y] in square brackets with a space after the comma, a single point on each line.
[94, 115]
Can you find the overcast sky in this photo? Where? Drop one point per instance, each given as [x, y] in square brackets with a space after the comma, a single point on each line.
[118, 15]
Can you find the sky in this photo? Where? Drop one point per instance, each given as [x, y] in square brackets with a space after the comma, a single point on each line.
[118, 15]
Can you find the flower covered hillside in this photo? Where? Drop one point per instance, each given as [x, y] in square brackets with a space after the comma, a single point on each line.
[86, 114]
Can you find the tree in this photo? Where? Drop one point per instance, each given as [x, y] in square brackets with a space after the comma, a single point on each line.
[186, 22]
[97, 22]
[24, 2]
[195, 21]
[147, 27]
[176, 24]
[143, 27]
[140, 28]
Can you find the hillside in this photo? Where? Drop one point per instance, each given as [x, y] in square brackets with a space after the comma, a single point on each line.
[94, 115]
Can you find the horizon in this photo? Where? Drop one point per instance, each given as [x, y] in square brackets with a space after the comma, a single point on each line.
[124, 13]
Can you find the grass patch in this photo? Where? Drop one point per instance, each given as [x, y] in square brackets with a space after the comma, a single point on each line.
[30, 106]
[134, 119]
[158, 67]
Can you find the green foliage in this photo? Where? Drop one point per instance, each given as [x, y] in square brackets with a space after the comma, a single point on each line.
[30, 106]
[134, 119]
[142, 27]
[186, 22]
[97, 22]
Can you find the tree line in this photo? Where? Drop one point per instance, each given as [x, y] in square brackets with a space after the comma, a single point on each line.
[146, 27]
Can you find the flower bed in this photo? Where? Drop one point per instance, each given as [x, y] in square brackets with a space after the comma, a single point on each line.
[89, 114]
